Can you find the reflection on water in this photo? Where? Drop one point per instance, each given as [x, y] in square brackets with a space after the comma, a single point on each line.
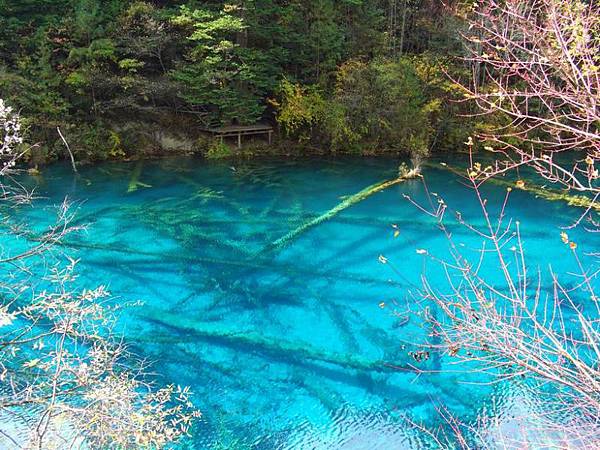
[296, 347]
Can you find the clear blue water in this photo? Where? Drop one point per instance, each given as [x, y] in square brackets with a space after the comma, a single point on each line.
[289, 348]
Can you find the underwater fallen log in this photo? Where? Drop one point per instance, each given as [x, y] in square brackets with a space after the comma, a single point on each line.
[258, 343]
[347, 203]
[92, 216]
[268, 209]
[315, 387]
[250, 264]
[134, 181]
[580, 201]
[274, 215]
[342, 325]
[191, 236]
[125, 270]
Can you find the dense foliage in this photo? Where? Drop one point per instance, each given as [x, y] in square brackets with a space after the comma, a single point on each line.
[121, 77]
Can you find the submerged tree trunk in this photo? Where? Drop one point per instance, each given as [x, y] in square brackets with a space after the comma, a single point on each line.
[352, 200]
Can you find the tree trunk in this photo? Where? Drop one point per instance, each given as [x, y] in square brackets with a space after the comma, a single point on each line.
[403, 28]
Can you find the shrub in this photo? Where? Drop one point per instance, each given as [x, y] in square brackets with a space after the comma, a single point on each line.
[218, 150]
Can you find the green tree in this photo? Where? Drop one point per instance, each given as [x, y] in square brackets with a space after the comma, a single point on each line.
[223, 80]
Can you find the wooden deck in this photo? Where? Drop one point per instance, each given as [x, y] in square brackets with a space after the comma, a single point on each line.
[242, 130]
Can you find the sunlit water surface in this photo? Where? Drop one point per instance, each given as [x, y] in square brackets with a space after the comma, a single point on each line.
[290, 347]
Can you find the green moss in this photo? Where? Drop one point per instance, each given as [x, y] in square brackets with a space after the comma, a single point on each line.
[579, 201]
[347, 203]
[259, 343]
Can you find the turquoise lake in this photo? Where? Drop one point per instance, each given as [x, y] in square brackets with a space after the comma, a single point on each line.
[304, 345]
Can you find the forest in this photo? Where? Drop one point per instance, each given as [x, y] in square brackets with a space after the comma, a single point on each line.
[123, 79]
[406, 258]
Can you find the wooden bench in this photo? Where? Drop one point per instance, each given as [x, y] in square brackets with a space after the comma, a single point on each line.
[242, 130]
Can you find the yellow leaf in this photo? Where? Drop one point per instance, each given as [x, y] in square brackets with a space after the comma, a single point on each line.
[564, 237]
[396, 233]
[572, 245]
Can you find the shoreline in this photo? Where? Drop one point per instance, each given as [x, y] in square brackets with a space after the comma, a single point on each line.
[275, 151]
